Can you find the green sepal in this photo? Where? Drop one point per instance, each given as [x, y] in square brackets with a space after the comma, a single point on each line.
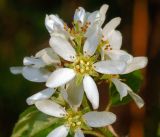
[79, 79]
[133, 80]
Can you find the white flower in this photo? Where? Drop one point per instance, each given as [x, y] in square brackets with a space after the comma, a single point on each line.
[122, 88]
[110, 50]
[34, 67]
[74, 120]
[82, 64]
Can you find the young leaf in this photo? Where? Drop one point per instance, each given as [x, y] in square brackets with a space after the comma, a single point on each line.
[33, 123]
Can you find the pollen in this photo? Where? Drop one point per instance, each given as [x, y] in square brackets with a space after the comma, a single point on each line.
[74, 120]
[87, 68]
[77, 67]
[83, 65]
[78, 123]
[82, 70]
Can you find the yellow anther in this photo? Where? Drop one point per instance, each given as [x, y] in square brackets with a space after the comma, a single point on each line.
[81, 61]
[87, 63]
[73, 124]
[78, 123]
[77, 67]
[82, 70]
[87, 68]
[69, 119]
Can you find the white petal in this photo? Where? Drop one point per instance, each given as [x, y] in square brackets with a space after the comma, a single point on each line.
[137, 63]
[16, 70]
[44, 94]
[121, 87]
[35, 74]
[48, 56]
[61, 131]
[115, 39]
[80, 15]
[92, 41]
[63, 48]
[110, 26]
[60, 77]
[138, 100]
[79, 133]
[33, 61]
[119, 55]
[50, 108]
[110, 67]
[99, 119]
[52, 22]
[75, 94]
[103, 11]
[91, 91]
[93, 17]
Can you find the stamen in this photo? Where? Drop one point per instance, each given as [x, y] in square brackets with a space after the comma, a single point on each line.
[82, 70]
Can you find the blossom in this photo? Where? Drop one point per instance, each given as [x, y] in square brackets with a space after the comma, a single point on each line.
[81, 64]
[122, 88]
[74, 121]
[132, 64]
[35, 67]
[110, 50]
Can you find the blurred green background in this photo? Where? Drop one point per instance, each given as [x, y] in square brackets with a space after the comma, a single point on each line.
[22, 33]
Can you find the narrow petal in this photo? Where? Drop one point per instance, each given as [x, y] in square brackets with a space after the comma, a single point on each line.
[36, 62]
[44, 94]
[119, 55]
[103, 11]
[137, 63]
[79, 133]
[99, 119]
[138, 100]
[91, 91]
[121, 87]
[35, 74]
[75, 94]
[110, 26]
[50, 108]
[61, 131]
[53, 21]
[92, 41]
[80, 15]
[110, 67]
[60, 77]
[115, 39]
[48, 56]
[63, 48]
[16, 70]
[93, 17]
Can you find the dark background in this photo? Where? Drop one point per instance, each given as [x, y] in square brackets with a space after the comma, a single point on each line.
[22, 33]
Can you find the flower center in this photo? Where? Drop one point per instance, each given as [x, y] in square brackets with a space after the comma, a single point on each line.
[105, 45]
[74, 120]
[83, 65]
[77, 28]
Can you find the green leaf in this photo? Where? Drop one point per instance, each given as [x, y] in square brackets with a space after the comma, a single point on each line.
[106, 132]
[33, 123]
[133, 80]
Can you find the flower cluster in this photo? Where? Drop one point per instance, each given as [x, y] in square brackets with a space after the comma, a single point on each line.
[79, 57]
